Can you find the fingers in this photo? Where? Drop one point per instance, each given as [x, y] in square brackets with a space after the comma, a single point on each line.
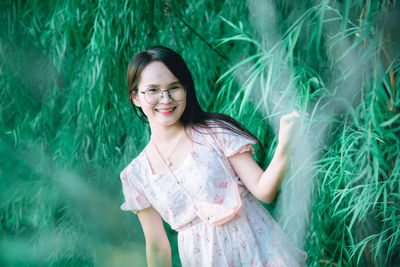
[290, 116]
[294, 115]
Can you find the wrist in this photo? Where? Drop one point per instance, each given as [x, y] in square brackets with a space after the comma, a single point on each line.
[281, 150]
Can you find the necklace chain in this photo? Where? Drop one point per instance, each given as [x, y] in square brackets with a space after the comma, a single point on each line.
[165, 159]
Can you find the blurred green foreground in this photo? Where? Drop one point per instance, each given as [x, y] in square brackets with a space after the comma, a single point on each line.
[67, 128]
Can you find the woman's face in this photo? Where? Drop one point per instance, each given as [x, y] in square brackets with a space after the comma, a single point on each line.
[166, 111]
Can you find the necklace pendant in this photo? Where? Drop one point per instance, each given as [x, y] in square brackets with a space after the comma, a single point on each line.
[168, 163]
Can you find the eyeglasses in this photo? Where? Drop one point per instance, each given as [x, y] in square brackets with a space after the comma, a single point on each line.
[153, 95]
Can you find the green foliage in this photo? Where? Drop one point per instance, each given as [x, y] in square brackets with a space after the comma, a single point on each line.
[67, 128]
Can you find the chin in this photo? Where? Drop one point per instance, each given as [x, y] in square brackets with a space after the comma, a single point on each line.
[168, 122]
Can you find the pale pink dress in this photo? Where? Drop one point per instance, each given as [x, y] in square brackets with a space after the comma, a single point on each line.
[251, 238]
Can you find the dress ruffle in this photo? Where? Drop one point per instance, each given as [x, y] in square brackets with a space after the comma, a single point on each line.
[135, 199]
[231, 143]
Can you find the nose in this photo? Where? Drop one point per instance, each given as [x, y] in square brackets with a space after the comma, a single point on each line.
[165, 98]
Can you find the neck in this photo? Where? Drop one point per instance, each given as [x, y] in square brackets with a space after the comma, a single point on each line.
[161, 135]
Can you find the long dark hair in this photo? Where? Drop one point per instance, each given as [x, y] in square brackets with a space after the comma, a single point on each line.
[193, 114]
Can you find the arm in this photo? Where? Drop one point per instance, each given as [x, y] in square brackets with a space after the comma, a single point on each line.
[158, 249]
[265, 184]
[262, 184]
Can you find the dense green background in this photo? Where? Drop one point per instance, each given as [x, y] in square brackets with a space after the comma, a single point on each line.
[67, 128]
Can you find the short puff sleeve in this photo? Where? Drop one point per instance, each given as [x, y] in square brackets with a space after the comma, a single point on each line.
[135, 199]
[232, 143]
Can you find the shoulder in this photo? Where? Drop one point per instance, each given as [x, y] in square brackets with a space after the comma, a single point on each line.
[220, 128]
[228, 137]
[216, 126]
[134, 168]
[209, 130]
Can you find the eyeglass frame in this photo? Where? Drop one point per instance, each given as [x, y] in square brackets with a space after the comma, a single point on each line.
[161, 95]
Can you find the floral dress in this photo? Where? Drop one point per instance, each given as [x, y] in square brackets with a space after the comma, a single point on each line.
[251, 238]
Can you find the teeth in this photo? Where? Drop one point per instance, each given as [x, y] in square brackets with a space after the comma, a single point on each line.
[166, 110]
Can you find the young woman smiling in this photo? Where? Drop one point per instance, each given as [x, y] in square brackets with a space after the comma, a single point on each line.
[198, 174]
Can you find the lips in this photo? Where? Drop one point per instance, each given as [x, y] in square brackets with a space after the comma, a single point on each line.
[165, 111]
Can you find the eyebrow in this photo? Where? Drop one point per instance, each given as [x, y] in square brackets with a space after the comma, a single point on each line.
[156, 85]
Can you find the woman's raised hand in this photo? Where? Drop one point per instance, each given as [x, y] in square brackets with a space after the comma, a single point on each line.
[288, 124]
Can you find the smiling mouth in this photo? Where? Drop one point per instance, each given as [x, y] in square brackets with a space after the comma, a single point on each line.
[168, 110]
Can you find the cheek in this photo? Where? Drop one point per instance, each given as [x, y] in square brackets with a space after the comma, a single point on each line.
[142, 105]
[146, 109]
[183, 107]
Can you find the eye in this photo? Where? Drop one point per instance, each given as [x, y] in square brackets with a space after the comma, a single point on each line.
[152, 90]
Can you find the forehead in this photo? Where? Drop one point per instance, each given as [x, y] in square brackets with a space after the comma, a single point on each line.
[156, 73]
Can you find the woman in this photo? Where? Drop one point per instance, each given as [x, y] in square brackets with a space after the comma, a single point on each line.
[196, 157]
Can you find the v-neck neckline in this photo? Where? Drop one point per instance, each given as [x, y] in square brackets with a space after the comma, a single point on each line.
[184, 162]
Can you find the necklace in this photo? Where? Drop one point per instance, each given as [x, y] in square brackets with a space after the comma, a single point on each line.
[167, 160]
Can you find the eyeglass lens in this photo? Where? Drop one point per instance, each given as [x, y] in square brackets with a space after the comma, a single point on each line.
[152, 96]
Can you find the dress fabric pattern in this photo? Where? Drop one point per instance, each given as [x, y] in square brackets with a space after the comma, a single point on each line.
[251, 238]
